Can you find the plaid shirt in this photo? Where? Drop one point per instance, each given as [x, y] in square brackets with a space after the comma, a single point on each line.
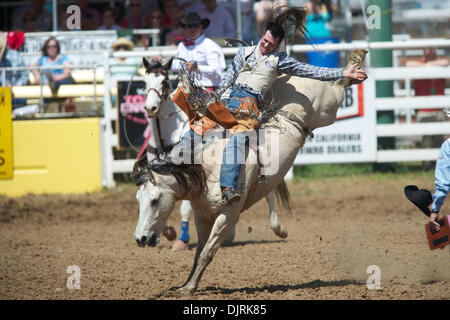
[286, 64]
[12, 58]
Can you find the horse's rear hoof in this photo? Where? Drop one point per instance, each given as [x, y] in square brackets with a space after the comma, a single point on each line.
[281, 231]
[179, 245]
[185, 291]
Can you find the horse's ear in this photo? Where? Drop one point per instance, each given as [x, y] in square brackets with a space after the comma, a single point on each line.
[146, 64]
[168, 64]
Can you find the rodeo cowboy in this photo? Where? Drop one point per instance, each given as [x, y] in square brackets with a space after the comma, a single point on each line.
[251, 74]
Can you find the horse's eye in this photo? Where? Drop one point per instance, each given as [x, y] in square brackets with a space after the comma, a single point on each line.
[154, 202]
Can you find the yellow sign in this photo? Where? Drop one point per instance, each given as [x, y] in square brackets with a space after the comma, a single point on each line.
[6, 150]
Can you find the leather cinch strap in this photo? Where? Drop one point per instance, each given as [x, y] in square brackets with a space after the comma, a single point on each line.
[294, 118]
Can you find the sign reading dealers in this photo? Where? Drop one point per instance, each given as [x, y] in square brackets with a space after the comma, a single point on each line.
[352, 138]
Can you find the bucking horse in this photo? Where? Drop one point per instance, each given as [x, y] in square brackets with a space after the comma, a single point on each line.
[302, 105]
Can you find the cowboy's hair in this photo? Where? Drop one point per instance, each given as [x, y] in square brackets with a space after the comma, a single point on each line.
[291, 19]
[276, 30]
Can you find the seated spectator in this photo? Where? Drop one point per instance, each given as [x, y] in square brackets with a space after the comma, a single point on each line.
[51, 56]
[223, 24]
[12, 58]
[123, 68]
[154, 21]
[90, 17]
[29, 22]
[43, 17]
[134, 19]
[109, 20]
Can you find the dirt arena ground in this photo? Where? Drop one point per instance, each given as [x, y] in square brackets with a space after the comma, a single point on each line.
[337, 229]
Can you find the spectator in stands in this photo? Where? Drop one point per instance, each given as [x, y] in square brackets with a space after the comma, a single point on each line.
[224, 26]
[51, 56]
[154, 21]
[90, 17]
[187, 5]
[200, 52]
[427, 87]
[29, 22]
[12, 58]
[171, 14]
[43, 17]
[109, 19]
[123, 68]
[320, 13]
[263, 6]
[134, 18]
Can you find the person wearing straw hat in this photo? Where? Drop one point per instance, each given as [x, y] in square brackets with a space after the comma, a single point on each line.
[200, 53]
[122, 68]
[12, 58]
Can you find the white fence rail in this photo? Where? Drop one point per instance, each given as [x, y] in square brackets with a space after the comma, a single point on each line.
[109, 140]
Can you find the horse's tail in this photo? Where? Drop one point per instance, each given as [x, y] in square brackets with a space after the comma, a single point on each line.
[283, 195]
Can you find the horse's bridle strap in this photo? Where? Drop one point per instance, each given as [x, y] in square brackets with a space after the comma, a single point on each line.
[156, 91]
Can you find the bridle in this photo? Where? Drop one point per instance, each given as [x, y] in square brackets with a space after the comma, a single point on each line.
[166, 85]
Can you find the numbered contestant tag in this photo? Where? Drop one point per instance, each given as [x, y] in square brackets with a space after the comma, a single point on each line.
[6, 156]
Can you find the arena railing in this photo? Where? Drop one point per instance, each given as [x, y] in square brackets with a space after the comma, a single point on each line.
[92, 89]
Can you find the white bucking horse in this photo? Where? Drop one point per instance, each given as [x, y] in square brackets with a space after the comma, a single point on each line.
[305, 105]
[168, 124]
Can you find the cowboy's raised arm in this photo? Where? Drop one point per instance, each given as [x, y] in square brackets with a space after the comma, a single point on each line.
[289, 65]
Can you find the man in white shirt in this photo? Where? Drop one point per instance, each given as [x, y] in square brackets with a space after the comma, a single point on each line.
[200, 53]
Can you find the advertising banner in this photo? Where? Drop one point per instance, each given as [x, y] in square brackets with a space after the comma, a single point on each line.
[132, 121]
[352, 138]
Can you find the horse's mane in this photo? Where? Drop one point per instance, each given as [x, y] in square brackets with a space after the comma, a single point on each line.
[191, 177]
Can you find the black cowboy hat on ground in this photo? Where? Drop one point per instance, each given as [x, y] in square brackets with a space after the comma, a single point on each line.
[194, 20]
[421, 198]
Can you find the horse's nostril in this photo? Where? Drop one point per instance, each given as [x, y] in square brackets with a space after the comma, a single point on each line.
[142, 240]
[153, 109]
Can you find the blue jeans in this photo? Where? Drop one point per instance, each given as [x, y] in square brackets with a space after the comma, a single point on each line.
[234, 151]
[233, 159]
